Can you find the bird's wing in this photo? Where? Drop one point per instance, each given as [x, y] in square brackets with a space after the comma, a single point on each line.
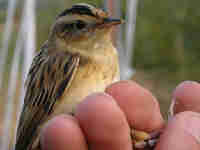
[48, 77]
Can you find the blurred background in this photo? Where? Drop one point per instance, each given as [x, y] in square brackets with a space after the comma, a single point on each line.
[165, 48]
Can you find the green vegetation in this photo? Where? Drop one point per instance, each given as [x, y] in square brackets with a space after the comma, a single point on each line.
[167, 37]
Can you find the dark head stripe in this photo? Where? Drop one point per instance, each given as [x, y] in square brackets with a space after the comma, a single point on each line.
[78, 9]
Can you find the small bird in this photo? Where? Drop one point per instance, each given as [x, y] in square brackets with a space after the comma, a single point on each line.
[77, 59]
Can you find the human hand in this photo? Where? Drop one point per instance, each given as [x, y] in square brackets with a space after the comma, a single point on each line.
[183, 131]
[103, 122]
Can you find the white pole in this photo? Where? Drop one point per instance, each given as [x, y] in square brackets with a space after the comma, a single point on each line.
[6, 37]
[25, 43]
[131, 8]
[9, 107]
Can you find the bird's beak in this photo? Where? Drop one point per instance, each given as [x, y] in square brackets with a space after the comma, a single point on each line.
[109, 22]
[113, 21]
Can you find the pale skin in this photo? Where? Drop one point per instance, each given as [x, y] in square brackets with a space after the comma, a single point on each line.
[58, 132]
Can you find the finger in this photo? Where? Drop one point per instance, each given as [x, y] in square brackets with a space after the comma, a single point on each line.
[140, 106]
[181, 133]
[103, 123]
[186, 97]
[61, 133]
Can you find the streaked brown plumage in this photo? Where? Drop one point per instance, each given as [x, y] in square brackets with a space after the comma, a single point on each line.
[77, 59]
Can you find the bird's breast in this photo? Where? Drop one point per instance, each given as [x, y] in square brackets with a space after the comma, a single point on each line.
[90, 77]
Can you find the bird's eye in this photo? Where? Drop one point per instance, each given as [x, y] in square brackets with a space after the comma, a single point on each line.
[66, 27]
[80, 24]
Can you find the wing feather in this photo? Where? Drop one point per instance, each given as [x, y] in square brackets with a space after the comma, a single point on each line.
[48, 78]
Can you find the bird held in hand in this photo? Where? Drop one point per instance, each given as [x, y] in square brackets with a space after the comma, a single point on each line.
[77, 59]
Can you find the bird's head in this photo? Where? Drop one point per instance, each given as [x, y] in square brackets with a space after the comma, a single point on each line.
[82, 23]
